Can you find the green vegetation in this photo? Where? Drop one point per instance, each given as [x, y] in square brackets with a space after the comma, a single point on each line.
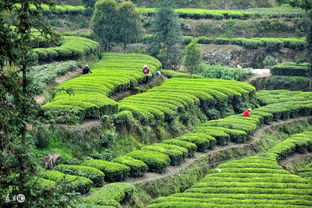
[287, 83]
[306, 172]
[249, 182]
[166, 103]
[91, 92]
[45, 75]
[137, 167]
[95, 175]
[113, 171]
[72, 48]
[109, 196]
[291, 69]
[224, 72]
[194, 13]
[79, 184]
[250, 28]
[115, 22]
[175, 74]
[193, 57]
[270, 44]
[167, 35]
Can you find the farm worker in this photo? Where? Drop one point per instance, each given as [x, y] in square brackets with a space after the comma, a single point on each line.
[247, 112]
[146, 72]
[86, 70]
[158, 73]
[145, 69]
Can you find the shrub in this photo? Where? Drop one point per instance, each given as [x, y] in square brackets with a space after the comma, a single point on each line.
[176, 156]
[137, 167]
[108, 196]
[156, 161]
[113, 171]
[287, 82]
[77, 183]
[223, 72]
[191, 148]
[95, 175]
[202, 141]
[290, 69]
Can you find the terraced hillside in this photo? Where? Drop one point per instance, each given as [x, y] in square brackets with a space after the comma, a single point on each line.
[182, 95]
[230, 185]
[256, 181]
[90, 93]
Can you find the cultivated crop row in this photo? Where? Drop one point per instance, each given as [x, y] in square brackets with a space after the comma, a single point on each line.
[254, 43]
[72, 48]
[90, 93]
[179, 95]
[256, 181]
[157, 157]
[194, 13]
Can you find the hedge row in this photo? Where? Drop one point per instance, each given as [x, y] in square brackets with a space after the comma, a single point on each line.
[72, 48]
[110, 196]
[270, 44]
[256, 181]
[45, 75]
[76, 183]
[276, 96]
[195, 13]
[166, 102]
[113, 171]
[306, 172]
[292, 69]
[235, 128]
[94, 174]
[287, 83]
[90, 98]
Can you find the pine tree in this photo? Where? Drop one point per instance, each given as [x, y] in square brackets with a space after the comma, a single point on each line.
[193, 57]
[167, 35]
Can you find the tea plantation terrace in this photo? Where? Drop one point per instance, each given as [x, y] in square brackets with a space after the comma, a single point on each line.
[156, 157]
[256, 181]
[90, 98]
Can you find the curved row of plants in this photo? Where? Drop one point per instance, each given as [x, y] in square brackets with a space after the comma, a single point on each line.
[254, 43]
[156, 157]
[194, 13]
[177, 96]
[89, 97]
[291, 69]
[256, 181]
[71, 48]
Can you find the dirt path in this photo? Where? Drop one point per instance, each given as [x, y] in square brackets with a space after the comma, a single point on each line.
[257, 74]
[58, 80]
[85, 125]
[172, 170]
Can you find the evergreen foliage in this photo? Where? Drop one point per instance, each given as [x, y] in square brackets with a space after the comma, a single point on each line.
[167, 35]
[114, 22]
[193, 57]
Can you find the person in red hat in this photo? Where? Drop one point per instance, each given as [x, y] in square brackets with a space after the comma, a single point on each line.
[247, 112]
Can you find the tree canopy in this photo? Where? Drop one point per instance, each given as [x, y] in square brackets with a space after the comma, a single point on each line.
[167, 35]
[114, 22]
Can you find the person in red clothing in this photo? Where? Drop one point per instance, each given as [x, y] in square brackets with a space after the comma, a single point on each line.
[247, 112]
[145, 70]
